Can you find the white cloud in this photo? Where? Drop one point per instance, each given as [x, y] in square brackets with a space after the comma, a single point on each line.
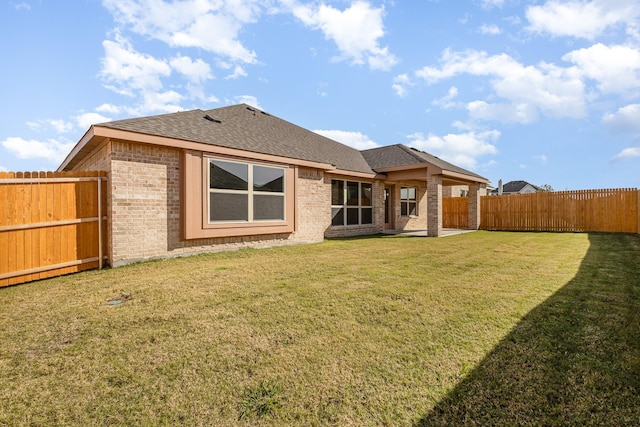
[238, 71]
[551, 90]
[400, 84]
[129, 70]
[249, 100]
[626, 119]
[59, 126]
[489, 29]
[513, 20]
[355, 140]
[502, 112]
[581, 19]
[138, 75]
[206, 24]
[85, 120]
[488, 4]
[165, 102]
[3, 169]
[460, 149]
[615, 68]
[627, 154]
[108, 108]
[195, 71]
[52, 150]
[355, 31]
[447, 101]
[23, 6]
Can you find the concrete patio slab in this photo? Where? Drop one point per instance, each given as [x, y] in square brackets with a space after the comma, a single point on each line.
[423, 233]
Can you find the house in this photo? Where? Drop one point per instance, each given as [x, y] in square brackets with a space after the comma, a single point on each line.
[516, 187]
[236, 176]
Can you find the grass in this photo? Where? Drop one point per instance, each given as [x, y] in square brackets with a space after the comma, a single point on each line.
[476, 329]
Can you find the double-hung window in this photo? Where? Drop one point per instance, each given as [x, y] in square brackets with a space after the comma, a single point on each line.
[351, 203]
[408, 201]
[245, 192]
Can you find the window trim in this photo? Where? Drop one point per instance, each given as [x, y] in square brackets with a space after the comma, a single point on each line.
[195, 204]
[250, 192]
[408, 202]
[345, 203]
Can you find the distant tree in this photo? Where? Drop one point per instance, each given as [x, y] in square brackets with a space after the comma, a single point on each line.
[546, 187]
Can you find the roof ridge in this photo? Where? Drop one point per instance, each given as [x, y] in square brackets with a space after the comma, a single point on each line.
[412, 152]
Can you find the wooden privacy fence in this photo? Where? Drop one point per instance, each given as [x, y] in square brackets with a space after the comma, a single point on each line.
[51, 223]
[455, 212]
[613, 210]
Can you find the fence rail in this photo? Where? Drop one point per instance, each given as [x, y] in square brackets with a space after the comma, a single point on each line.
[51, 223]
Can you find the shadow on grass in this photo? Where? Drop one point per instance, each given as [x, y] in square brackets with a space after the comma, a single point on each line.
[573, 360]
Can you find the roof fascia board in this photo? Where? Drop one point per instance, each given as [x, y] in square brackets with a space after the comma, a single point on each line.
[464, 177]
[207, 148]
[88, 136]
[423, 165]
[357, 174]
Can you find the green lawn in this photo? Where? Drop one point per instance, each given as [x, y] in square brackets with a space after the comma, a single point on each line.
[483, 328]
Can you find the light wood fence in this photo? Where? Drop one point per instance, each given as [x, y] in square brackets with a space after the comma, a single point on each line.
[51, 224]
[612, 210]
[455, 212]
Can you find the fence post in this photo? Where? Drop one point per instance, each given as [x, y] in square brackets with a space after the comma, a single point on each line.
[99, 181]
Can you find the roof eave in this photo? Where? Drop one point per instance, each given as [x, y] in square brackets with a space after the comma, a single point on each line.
[86, 139]
[464, 177]
[98, 133]
[404, 167]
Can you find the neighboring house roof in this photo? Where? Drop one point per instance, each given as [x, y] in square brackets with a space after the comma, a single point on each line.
[247, 128]
[400, 155]
[513, 187]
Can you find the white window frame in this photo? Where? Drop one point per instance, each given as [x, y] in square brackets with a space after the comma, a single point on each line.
[250, 192]
[345, 206]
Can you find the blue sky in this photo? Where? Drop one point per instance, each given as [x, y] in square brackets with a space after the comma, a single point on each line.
[542, 91]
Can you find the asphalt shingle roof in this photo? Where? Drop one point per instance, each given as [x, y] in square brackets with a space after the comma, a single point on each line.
[400, 155]
[517, 186]
[247, 128]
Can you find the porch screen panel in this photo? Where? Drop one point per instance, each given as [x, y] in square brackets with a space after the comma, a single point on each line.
[351, 203]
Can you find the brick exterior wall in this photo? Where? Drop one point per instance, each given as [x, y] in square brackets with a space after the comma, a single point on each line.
[408, 223]
[313, 207]
[144, 203]
[145, 206]
[434, 205]
[475, 192]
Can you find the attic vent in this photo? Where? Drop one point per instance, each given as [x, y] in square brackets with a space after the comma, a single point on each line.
[211, 119]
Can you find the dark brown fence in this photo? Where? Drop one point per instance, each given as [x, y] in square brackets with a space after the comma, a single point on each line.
[51, 224]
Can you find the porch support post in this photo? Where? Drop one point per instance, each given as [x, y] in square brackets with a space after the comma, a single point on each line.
[474, 205]
[434, 205]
